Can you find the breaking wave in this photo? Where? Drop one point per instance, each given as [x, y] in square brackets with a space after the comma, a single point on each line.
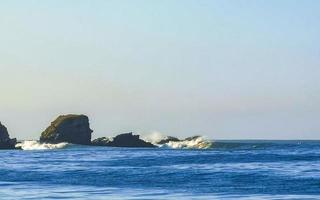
[35, 145]
[153, 137]
[163, 141]
[194, 143]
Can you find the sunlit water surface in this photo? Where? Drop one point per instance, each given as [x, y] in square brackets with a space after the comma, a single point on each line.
[229, 170]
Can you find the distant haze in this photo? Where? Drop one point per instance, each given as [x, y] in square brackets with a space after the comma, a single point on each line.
[224, 69]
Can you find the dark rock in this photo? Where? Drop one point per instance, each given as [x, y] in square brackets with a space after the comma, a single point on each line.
[5, 141]
[122, 140]
[129, 140]
[192, 138]
[68, 128]
[168, 139]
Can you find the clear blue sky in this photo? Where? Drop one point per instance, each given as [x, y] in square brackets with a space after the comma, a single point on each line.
[225, 69]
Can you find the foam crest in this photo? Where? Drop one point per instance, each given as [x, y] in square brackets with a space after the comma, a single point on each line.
[153, 137]
[192, 143]
[35, 145]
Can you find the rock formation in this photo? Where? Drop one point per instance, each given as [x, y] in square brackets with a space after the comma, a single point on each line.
[5, 141]
[122, 140]
[68, 128]
[168, 139]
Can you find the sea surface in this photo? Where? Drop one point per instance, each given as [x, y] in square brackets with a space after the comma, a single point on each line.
[227, 170]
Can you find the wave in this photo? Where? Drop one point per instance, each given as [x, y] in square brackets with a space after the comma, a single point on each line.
[163, 141]
[35, 145]
[192, 143]
[153, 137]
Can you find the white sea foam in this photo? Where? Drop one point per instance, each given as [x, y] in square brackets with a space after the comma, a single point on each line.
[35, 145]
[194, 143]
[153, 137]
[197, 142]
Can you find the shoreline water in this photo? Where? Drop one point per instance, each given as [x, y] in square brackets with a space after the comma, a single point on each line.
[244, 170]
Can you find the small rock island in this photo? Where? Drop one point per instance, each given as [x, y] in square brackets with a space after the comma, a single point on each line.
[5, 141]
[122, 140]
[68, 128]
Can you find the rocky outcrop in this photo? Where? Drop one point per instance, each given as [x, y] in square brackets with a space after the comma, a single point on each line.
[5, 141]
[122, 140]
[168, 139]
[68, 128]
[193, 138]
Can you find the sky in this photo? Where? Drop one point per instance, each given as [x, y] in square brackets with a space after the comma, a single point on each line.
[231, 69]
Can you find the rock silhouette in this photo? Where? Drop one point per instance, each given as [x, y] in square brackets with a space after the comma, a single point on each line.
[122, 140]
[168, 139]
[5, 141]
[68, 128]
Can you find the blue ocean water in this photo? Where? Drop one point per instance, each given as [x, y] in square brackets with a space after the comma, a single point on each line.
[228, 170]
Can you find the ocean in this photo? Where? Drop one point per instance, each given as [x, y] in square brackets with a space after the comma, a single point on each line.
[228, 170]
